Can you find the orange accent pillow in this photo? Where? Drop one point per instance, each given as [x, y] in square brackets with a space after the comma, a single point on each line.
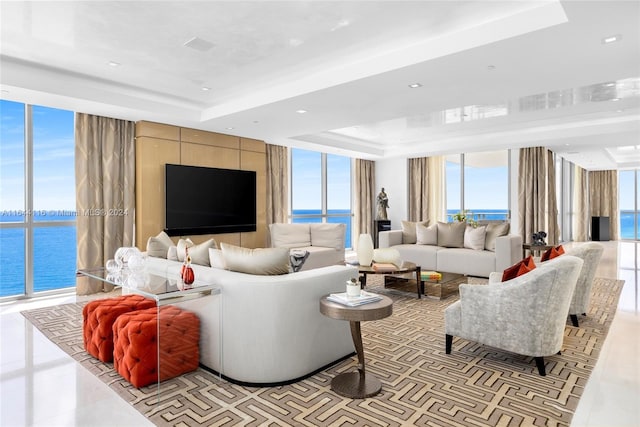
[552, 253]
[522, 267]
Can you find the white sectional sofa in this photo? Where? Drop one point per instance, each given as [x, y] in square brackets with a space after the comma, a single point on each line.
[323, 241]
[459, 259]
[264, 330]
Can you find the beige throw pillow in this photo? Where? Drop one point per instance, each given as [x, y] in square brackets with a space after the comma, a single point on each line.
[427, 235]
[267, 261]
[181, 247]
[474, 237]
[451, 234]
[159, 245]
[216, 259]
[328, 235]
[495, 230]
[409, 231]
[199, 253]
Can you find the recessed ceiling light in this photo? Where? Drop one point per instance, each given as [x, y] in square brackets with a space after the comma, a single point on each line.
[611, 39]
[616, 99]
[230, 127]
[256, 121]
[204, 88]
[415, 85]
[301, 111]
[198, 44]
[610, 84]
[113, 64]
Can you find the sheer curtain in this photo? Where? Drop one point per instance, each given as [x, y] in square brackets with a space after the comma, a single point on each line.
[105, 190]
[277, 184]
[426, 189]
[537, 203]
[580, 205]
[603, 198]
[365, 177]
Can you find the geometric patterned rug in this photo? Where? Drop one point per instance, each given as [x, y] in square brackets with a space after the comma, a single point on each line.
[475, 385]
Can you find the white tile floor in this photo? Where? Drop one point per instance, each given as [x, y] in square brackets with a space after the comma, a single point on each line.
[40, 385]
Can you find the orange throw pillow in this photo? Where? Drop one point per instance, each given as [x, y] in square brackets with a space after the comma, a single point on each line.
[552, 253]
[522, 267]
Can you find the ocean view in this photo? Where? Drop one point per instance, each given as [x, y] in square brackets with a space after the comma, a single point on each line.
[54, 252]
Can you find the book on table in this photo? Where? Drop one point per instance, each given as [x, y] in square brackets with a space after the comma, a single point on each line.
[364, 298]
[430, 275]
[382, 267]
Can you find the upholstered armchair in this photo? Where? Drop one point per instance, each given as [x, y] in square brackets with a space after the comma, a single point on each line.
[525, 315]
[590, 253]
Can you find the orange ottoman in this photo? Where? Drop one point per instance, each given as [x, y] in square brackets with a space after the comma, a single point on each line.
[135, 353]
[97, 322]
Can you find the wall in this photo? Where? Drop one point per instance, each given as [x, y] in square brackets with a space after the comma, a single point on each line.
[158, 144]
[392, 175]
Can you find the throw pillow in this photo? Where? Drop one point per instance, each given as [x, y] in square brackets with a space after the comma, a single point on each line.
[474, 237]
[427, 235]
[216, 259]
[290, 235]
[183, 244]
[409, 231]
[267, 261]
[451, 234]
[495, 230]
[158, 246]
[552, 253]
[297, 259]
[172, 253]
[328, 235]
[518, 269]
[199, 253]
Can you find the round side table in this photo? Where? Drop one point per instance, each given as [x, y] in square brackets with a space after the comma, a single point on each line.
[357, 385]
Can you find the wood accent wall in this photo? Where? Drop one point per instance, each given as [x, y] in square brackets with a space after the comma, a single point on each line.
[158, 144]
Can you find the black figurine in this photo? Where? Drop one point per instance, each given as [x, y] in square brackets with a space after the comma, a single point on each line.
[538, 238]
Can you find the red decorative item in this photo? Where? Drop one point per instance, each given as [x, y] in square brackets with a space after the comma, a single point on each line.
[186, 272]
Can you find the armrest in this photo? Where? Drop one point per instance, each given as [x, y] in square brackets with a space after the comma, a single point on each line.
[495, 277]
[389, 238]
[508, 251]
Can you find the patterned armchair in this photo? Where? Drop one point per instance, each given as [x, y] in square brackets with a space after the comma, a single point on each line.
[526, 315]
[590, 253]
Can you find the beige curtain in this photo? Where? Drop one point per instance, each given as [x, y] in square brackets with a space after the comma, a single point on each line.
[277, 184]
[436, 189]
[537, 194]
[580, 205]
[105, 190]
[603, 198]
[426, 189]
[365, 198]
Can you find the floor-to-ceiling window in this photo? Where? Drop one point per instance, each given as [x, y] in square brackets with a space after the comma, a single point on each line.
[628, 203]
[37, 199]
[321, 189]
[478, 183]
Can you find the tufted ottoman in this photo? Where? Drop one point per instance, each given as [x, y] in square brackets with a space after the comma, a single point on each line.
[135, 353]
[98, 317]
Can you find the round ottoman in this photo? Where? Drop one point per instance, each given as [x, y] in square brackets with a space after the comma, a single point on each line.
[97, 322]
[135, 338]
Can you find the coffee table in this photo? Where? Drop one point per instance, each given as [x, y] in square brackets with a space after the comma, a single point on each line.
[431, 288]
[357, 385]
[405, 268]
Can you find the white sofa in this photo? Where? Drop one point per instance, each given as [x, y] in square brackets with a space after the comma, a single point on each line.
[323, 241]
[461, 260]
[269, 328]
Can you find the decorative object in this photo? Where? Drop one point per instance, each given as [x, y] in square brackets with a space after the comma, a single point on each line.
[383, 204]
[187, 274]
[298, 258]
[112, 266]
[123, 254]
[538, 238]
[365, 249]
[465, 216]
[353, 287]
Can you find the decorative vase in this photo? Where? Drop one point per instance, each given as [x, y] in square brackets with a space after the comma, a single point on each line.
[365, 249]
[188, 277]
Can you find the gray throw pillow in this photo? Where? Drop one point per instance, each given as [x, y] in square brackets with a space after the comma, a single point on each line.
[474, 237]
[451, 234]
[409, 231]
[495, 230]
[427, 235]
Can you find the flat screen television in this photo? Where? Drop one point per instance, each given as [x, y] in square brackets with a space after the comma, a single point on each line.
[201, 200]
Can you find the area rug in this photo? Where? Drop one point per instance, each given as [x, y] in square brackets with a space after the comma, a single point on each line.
[476, 385]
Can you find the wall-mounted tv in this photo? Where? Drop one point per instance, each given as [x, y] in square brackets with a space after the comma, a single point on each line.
[201, 200]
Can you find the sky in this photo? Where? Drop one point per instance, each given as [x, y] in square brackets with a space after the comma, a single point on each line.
[53, 158]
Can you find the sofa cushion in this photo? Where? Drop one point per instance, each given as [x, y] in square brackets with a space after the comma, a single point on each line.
[158, 246]
[495, 230]
[427, 235]
[199, 253]
[474, 237]
[409, 231]
[266, 261]
[328, 235]
[552, 253]
[423, 255]
[465, 261]
[451, 234]
[290, 235]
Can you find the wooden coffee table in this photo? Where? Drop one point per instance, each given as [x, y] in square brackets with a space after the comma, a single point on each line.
[405, 268]
[357, 385]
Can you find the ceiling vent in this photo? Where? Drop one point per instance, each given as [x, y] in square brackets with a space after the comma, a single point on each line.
[199, 44]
